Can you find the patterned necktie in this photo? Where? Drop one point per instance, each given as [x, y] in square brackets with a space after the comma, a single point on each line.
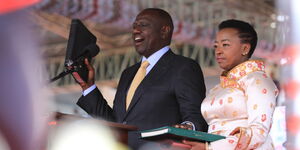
[139, 76]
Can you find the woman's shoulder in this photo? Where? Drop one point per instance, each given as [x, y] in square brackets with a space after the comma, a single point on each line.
[257, 75]
[258, 79]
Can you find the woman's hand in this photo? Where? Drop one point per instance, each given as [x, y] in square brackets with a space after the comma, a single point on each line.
[195, 145]
[235, 131]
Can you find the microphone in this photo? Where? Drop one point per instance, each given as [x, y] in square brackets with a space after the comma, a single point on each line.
[89, 51]
[78, 64]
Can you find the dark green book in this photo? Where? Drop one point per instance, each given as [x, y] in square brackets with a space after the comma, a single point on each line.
[179, 134]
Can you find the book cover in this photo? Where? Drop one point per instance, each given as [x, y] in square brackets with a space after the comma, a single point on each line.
[79, 38]
[179, 134]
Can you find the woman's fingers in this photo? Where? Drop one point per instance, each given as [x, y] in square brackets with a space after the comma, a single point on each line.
[235, 131]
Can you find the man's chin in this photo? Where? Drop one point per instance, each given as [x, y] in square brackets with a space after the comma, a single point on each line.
[140, 50]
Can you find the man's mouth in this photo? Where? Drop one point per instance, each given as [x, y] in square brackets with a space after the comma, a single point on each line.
[138, 40]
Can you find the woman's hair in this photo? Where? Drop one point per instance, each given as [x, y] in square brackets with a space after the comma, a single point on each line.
[247, 34]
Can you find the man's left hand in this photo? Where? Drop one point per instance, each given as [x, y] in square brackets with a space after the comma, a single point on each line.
[184, 126]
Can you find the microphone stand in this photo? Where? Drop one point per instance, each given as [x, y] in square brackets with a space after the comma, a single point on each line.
[69, 69]
[62, 74]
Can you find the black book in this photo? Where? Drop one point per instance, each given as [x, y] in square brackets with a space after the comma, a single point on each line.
[79, 38]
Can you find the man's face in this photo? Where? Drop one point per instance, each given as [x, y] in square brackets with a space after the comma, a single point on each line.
[147, 34]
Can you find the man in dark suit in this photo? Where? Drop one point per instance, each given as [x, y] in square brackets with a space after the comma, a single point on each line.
[170, 93]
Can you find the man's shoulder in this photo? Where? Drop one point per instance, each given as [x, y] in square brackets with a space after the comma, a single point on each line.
[179, 59]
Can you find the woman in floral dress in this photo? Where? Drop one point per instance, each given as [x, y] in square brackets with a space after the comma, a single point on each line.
[242, 105]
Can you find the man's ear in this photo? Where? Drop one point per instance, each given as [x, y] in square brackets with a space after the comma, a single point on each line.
[165, 31]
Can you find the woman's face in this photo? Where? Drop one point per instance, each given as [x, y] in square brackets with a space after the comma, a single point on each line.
[229, 50]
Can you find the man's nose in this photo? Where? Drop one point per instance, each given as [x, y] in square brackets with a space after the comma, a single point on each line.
[136, 30]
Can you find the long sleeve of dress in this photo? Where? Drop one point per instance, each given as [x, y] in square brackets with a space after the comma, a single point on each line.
[261, 93]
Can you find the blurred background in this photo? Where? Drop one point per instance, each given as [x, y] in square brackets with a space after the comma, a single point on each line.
[195, 26]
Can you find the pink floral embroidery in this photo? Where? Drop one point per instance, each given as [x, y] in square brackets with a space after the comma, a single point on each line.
[249, 65]
[229, 83]
[263, 117]
[225, 79]
[242, 73]
[264, 91]
[260, 65]
[221, 101]
[233, 77]
[212, 101]
[231, 141]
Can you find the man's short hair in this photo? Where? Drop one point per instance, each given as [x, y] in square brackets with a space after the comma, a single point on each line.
[164, 17]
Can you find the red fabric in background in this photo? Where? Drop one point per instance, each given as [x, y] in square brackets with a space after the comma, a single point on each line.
[11, 5]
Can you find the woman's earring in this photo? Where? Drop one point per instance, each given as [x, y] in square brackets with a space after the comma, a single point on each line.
[244, 54]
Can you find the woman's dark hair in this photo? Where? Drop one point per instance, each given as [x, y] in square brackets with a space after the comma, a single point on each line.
[247, 34]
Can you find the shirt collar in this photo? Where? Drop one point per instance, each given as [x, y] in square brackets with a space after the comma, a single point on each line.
[153, 59]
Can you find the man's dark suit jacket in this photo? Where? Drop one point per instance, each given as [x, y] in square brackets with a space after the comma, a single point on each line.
[171, 93]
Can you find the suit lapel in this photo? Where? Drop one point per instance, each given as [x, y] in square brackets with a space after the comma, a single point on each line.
[159, 69]
[127, 81]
